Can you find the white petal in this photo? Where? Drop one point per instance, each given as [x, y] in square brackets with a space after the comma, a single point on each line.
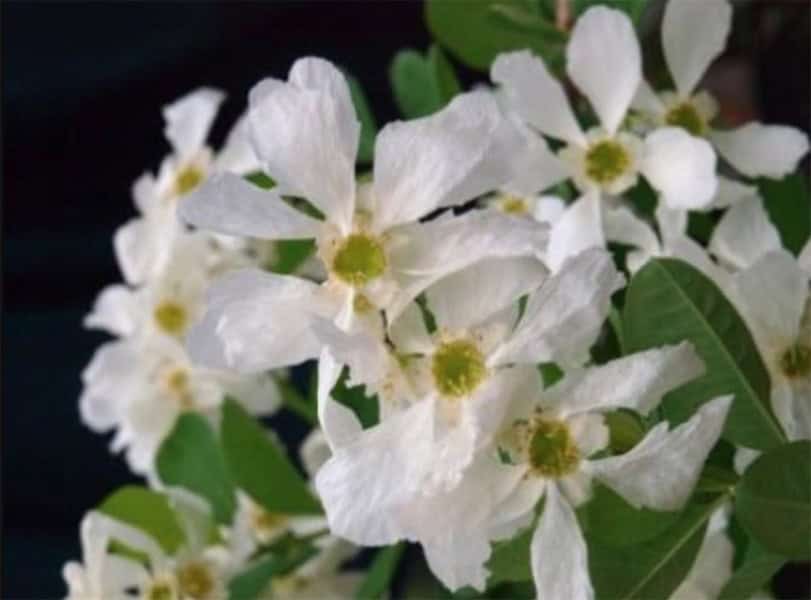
[730, 192]
[548, 209]
[536, 96]
[141, 248]
[558, 552]
[258, 394]
[693, 34]
[579, 228]
[744, 234]
[672, 222]
[535, 169]
[661, 471]
[603, 61]
[791, 402]
[306, 134]
[637, 381]
[228, 204]
[563, 318]
[409, 333]
[237, 155]
[362, 351]
[622, 225]
[711, 570]
[758, 150]
[189, 119]
[115, 310]
[423, 164]
[680, 167]
[108, 380]
[805, 258]
[468, 297]
[338, 422]
[646, 100]
[257, 321]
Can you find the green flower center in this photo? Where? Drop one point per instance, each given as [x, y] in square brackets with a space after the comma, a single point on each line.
[458, 368]
[687, 117]
[188, 179]
[359, 259]
[513, 205]
[171, 317]
[606, 161]
[552, 451]
[196, 580]
[161, 589]
[796, 361]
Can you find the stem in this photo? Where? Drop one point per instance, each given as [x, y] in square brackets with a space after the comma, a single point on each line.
[563, 14]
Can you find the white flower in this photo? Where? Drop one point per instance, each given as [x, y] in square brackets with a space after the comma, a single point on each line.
[744, 234]
[143, 244]
[693, 35]
[712, 566]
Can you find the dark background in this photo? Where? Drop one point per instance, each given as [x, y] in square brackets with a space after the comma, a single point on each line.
[82, 89]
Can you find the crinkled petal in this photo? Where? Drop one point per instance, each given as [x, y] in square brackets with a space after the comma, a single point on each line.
[536, 96]
[604, 62]
[558, 552]
[744, 234]
[693, 35]
[115, 310]
[579, 228]
[661, 471]
[680, 167]
[189, 119]
[759, 150]
[228, 204]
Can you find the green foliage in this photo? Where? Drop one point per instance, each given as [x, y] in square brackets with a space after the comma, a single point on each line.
[510, 559]
[757, 569]
[669, 301]
[653, 569]
[422, 84]
[251, 582]
[789, 207]
[381, 571]
[260, 467]
[476, 31]
[368, 125]
[625, 428]
[148, 511]
[355, 398]
[291, 254]
[773, 500]
[295, 402]
[633, 8]
[191, 458]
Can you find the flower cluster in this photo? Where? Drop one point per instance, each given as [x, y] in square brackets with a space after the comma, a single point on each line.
[473, 290]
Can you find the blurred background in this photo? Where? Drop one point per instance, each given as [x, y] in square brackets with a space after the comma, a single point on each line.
[83, 85]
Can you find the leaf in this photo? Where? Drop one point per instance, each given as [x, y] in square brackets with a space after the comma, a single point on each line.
[667, 302]
[509, 560]
[773, 500]
[259, 466]
[476, 31]
[297, 403]
[381, 571]
[625, 428]
[148, 511]
[258, 178]
[609, 520]
[654, 569]
[251, 582]
[789, 207]
[368, 126]
[757, 569]
[716, 479]
[291, 254]
[422, 84]
[365, 407]
[633, 8]
[190, 457]
[447, 82]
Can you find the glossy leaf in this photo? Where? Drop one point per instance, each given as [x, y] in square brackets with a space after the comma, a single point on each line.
[148, 511]
[260, 467]
[381, 571]
[365, 407]
[509, 560]
[669, 301]
[789, 207]
[753, 574]
[368, 125]
[773, 500]
[256, 578]
[422, 84]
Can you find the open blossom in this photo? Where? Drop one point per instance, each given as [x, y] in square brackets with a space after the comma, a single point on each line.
[143, 245]
[693, 35]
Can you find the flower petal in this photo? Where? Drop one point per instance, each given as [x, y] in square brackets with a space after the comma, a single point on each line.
[558, 552]
[108, 381]
[306, 134]
[228, 204]
[115, 310]
[646, 101]
[661, 471]
[623, 226]
[409, 333]
[536, 169]
[142, 246]
[759, 150]
[189, 119]
[604, 62]
[579, 228]
[680, 167]
[744, 234]
[693, 35]
[237, 155]
[338, 422]
[805, 258]
[536, 96]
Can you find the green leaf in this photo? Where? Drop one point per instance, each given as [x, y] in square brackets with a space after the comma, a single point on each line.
[773, 501]
[625, 428]
[259, 466]
[254, 580]
[291, 254]
[669, 301]
[297, 403]
[365, 407]
[789, 207]
[368, 125]
[381, 571]
[509, 560]
[444, 73]
[716, 479]
[148, 511]
[422, 84]
[476, 31]
[654, 569]
[757, 569]
[609, 520]
[633, 8]
[191, 458]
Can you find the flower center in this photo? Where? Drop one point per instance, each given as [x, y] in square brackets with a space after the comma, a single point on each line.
[177, 382]
[458, 368]
[606, 161]
[161, 589]
[796, 361]
[196, 580]
[171, 317]
[359, 259]
[266, 523]
[687, 117]
[188, 179]
[552, 451]
[513, 205]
